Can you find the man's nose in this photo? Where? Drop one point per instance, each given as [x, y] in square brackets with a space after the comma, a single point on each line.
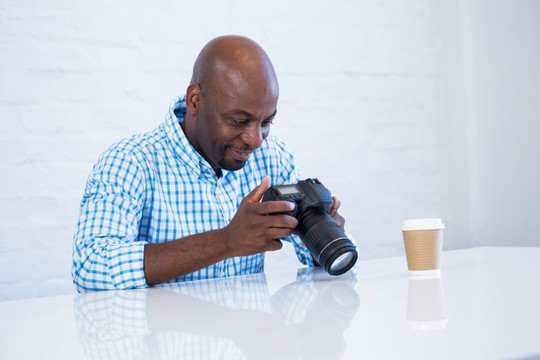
[253, 137]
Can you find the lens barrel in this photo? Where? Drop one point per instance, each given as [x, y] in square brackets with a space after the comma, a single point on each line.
[326, 241]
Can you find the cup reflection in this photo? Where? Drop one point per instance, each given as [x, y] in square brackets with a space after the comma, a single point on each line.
[426, 306]
[226, 318]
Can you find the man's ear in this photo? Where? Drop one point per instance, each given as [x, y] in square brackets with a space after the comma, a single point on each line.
[193, 99]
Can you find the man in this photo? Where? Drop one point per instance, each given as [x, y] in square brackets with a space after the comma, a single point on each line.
[183, 202]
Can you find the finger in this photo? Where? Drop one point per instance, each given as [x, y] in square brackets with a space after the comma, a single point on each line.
[282, 222]
[275, 207]
[340, 220]
[279, 233]
[335, 206]
[274, 245]
[257, 193]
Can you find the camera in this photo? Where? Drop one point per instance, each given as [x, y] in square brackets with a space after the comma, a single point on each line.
[323, 237]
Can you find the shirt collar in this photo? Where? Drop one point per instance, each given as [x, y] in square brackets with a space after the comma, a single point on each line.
[183, 148]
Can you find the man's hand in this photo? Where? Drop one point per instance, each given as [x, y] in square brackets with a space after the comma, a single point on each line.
[334, 214]
[252, 230]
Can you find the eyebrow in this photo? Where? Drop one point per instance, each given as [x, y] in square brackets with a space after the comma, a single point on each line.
[248, 114]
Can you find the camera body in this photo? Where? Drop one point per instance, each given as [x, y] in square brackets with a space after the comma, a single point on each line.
[306, 194]
[322, 236]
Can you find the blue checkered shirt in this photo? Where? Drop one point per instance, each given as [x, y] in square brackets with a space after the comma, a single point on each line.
[154, 188]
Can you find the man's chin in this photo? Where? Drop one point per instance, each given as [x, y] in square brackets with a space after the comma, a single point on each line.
[232, 165]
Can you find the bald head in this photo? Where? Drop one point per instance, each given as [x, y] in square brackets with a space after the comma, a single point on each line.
[230, 102]
[235, 59]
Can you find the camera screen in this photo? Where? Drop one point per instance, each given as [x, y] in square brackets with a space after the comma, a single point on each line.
[288, 189]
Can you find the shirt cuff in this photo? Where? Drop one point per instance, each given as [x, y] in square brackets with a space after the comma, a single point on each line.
[126, 265]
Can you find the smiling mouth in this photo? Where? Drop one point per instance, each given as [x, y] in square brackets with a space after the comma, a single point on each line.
[240, 155]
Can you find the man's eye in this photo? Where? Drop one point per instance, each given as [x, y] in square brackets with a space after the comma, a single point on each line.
[267, 123]
[239, 122]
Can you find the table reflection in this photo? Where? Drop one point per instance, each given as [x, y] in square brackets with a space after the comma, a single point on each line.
[426, 306]
[229, 318]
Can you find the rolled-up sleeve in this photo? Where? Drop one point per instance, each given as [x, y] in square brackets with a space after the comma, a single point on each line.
[106, 252]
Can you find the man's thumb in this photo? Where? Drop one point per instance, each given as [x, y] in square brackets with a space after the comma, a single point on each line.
[257, 193]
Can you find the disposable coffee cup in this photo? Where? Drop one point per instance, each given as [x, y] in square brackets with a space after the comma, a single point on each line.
[423, 246]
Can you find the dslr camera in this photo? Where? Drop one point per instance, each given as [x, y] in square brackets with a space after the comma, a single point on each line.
[323, 237]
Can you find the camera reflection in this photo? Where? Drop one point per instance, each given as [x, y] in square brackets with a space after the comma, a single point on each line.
[230, 318]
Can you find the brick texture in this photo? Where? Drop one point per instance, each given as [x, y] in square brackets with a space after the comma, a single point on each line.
[358, 106]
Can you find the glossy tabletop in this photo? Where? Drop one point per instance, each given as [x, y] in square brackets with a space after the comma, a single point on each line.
[486, 305]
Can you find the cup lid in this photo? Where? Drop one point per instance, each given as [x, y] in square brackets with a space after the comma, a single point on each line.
[422, 224]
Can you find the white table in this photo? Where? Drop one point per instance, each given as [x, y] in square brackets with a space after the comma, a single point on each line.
[485, 306]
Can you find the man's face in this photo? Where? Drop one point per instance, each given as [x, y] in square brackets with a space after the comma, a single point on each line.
[233, 121]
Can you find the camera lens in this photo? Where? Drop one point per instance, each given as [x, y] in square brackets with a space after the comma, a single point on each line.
[326, 241]
[342, 262]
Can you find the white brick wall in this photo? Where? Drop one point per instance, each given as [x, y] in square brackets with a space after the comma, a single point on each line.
[358, 107]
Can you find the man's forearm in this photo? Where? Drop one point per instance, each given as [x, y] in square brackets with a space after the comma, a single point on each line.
[167, 261]
[251, 231]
